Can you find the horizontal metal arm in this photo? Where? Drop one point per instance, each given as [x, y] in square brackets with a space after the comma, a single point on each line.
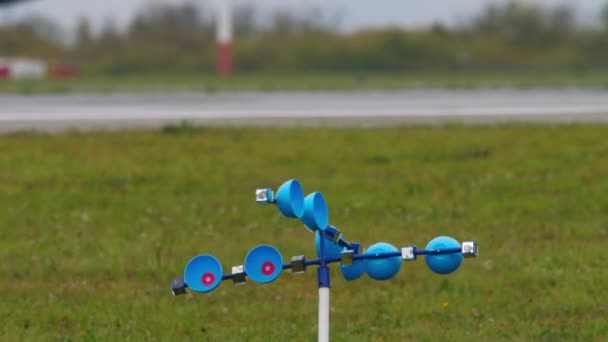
[360, 257]
[437, 251]
[179, 286]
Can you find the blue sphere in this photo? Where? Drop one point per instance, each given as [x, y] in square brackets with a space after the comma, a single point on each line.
[332, 249]
[384, 268]
[445, 263]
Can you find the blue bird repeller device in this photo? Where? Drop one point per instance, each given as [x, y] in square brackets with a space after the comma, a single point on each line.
[264, 264]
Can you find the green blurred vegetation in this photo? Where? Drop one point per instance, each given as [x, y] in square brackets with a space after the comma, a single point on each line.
[93, 227]
[312, 81]
[179, 39]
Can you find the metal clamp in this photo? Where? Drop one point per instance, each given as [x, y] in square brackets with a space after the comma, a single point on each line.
[346, 257]
[408, 253]
[238, 275]
[264, 196]
[178, 286]
[469, 249]
[298, 264]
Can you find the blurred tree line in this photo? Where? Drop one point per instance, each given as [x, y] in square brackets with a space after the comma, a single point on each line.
[181, 39]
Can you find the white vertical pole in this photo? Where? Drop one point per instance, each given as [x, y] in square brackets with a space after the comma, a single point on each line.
[323, 314]
[224, 22]
[323, 277]
[224, 37]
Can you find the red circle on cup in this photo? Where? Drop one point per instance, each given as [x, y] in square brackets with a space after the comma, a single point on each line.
[208, 279]
[267, 268]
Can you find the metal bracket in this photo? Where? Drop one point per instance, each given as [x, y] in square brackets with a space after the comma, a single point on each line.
[264, 196]
[178, 286]
[469, 249]
[298, 264]
[238, 273]
[346, 257]
[408, 253]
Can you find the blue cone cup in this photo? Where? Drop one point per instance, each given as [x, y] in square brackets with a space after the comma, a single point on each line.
[263, 264]
[332, 249]
[315, 212]
[290, 199]
[203, 273]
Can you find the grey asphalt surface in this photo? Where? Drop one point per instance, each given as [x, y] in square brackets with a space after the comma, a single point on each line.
[381, 108]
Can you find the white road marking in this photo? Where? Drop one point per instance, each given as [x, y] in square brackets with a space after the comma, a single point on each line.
[338, 108]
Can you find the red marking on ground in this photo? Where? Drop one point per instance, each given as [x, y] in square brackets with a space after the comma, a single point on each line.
[224, 59]
[5, 72]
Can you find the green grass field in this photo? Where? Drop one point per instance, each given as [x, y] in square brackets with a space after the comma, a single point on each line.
[93, 227]
[313, 81]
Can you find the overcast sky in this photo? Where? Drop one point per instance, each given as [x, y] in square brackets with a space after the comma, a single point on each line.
[356, 13]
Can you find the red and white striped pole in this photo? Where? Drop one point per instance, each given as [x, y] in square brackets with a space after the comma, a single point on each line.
[224, 38]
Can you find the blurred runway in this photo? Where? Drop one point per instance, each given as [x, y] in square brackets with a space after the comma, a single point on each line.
[382, 108]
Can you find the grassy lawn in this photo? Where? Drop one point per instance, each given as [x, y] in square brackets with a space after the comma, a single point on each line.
[93, 227]
[313, 81]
